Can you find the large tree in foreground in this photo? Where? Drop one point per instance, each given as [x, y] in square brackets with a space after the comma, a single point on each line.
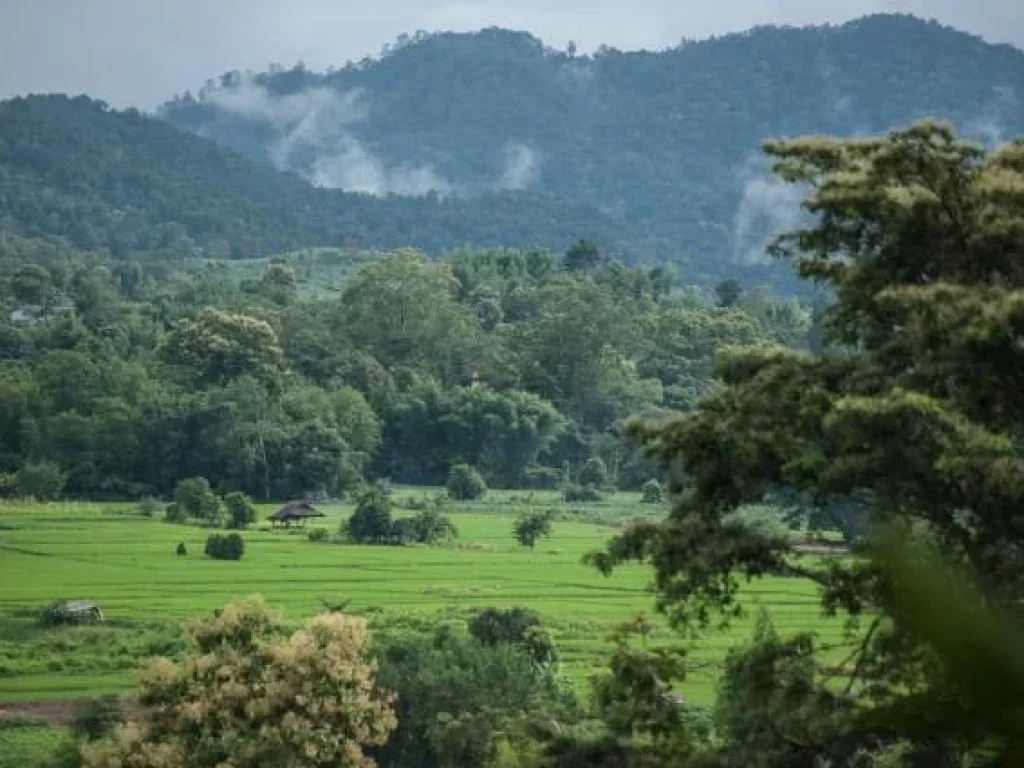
[250, 696]
[916, 419]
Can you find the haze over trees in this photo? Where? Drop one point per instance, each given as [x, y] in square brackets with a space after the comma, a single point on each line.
[663, 143]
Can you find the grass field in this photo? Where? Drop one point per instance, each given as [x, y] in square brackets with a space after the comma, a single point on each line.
[127, 564]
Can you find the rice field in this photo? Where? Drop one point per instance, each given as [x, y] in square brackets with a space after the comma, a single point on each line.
[127, 564]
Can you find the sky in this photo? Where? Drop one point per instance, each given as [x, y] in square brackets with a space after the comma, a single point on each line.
[141, 52]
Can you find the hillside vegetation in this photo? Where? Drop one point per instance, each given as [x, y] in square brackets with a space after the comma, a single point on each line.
[664, 143]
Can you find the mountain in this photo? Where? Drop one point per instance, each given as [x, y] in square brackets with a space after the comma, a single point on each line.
[664, 144]
[75, 170]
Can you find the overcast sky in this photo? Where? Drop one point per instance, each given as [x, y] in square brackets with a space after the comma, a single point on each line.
[140, 52]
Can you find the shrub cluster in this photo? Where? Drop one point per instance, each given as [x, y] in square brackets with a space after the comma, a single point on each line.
[465, 483]
[229, 546]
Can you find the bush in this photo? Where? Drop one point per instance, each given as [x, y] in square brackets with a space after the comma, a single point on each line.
[428, 527]
[578, 493]
[148, 507]
[175, 513]
[371, 522]
[465, 483]
[241, 511]
[98, 717]
[41, 480]
[194, 498]
[542, 478]
[319, 535]
[500, 626]
[529, 528]
[651, 492]
[181, 551]
[225, 547]
[594, 473]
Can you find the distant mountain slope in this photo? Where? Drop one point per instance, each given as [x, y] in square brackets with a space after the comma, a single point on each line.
[103, 179]
[665, 144]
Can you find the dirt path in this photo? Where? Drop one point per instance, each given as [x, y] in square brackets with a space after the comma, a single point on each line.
[55, 712]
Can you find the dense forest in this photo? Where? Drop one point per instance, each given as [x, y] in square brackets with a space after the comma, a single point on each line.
[99, 179]
[122, 377]
[666, 144]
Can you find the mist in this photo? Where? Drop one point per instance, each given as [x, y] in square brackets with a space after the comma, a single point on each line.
[314, 137]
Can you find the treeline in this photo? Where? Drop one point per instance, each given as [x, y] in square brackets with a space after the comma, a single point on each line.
[118, 379]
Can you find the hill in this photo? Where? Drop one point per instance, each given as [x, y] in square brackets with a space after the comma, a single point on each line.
[101, 179]
[663, 143]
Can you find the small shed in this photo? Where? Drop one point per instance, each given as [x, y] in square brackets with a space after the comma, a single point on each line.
[73, 612]
[295, 512]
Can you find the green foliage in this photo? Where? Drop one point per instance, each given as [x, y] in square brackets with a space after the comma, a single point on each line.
[455, 696]
[265, 716]
[514, 626]
[430, 526]
[219, 347]
[728, 292]
[465, 483]
[581, 493]
[193, 499]
[97, 718]
[181, 550]
[651, 492]
[530, 527]
[371, 522]
[229, 546]
[906, 421]
[660, 142]
[42, 480]
[594, 473]
[542, 478]
[241, 512]
[319, 535]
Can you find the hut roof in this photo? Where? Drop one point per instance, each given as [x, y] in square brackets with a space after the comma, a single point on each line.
[79, 606]
[296, 510]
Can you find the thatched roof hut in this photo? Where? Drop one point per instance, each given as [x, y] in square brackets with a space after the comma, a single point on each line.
[295, 512]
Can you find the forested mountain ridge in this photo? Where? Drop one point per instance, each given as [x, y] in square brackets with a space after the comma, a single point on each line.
[663, 143]
[102, 179]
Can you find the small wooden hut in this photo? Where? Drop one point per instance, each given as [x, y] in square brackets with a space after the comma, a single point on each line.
[295, 512]
[73, 612]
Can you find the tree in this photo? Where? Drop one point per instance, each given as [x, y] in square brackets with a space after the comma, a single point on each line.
[267, 715]
[465, 483]
[220, 346]
[193, 498]
[728, 292]
[583, 256]
[594, 473]
[371, 522]
[455, 696]
[651, 492]
[401, 309]
[530, 527]
[241, 512]
[916, 415]
[430, 526]
[42, 480]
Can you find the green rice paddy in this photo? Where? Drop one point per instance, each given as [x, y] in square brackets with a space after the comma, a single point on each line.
[127, 564]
